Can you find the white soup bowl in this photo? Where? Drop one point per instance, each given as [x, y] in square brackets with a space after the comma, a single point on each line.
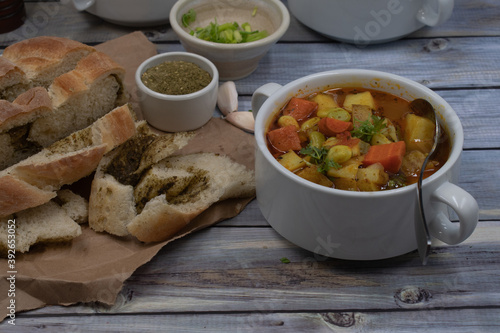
[358, 225]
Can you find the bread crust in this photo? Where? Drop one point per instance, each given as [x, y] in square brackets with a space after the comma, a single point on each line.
[115, 128]
[89, 69]
[6, 68]
[160, 221]
[11, 75]
[42, 54]
[54, 173]
[17, 195]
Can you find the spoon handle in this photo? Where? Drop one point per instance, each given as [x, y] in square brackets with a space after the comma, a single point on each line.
[421, 228]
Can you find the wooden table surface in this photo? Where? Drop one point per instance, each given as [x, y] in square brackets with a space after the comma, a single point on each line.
[229, 277]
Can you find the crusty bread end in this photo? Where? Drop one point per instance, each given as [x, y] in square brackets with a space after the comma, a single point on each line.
[21, 195]
[44, 58]
[47, 223]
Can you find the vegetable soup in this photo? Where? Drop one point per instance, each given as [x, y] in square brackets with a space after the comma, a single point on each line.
[355, 139]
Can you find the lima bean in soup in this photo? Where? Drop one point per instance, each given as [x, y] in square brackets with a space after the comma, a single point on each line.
[355, 139]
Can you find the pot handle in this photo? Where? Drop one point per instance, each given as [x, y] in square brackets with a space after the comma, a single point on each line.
[428, 16]
[83, 4]
[262, 94]
[464, 205]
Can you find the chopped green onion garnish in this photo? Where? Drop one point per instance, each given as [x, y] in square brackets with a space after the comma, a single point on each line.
[254, 11]
[228, 33]
[285, 260]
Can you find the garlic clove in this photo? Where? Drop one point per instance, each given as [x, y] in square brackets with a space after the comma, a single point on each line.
[242, 119]
[227, 98]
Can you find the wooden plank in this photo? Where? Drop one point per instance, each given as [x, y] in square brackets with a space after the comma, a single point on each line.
[436, 63]
[438, 320]
[239, 270]
[60, 18]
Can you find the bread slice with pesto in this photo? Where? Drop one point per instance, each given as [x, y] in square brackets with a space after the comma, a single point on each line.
[154, 198]
[178, 189]
[35, 180]
[111, 203]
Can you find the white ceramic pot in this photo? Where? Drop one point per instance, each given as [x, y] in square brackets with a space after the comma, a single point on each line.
[358, 225]
[178, 113]
[364, 22]
[132, 13]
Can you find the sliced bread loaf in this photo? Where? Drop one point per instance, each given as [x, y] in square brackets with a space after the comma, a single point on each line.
[80, 97]
[36, 178]
[73, 86]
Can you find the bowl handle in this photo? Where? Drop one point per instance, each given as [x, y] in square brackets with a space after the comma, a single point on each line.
[83, 4]
[428, 16]
[464, 205]
[261, 95]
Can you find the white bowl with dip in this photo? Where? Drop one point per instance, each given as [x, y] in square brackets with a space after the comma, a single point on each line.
[358, 225]
[177, 113]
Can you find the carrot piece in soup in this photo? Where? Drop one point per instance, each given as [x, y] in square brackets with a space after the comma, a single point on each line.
[390, 155]
[332, 126]
[346, 139]
[300, 108]
[285, 138]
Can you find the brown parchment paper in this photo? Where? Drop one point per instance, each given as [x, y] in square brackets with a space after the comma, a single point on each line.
[94, 266]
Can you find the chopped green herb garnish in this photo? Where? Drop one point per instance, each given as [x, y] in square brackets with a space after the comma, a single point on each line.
[285, 260]
[318, 157]
[396, 181]
[254, 12]
[367, 129]
[188, 18]
[227, 33]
